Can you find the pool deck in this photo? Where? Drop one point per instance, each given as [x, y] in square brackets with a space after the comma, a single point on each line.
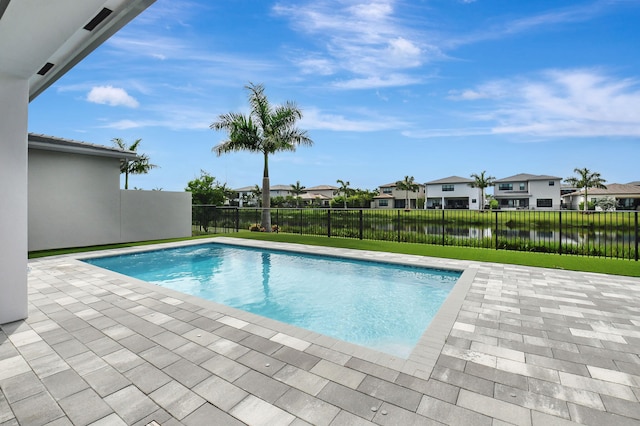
[511, 345]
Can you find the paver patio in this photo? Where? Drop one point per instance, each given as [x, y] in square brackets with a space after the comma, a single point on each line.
[512, 345]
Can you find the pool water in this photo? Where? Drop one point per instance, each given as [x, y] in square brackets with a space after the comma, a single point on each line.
[382, 306]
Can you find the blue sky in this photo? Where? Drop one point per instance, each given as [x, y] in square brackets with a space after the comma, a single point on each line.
[429, 88]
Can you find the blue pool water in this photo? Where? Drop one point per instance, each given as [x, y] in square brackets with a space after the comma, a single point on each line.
[381, 306]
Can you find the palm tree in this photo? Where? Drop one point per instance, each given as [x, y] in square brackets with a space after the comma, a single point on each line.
[483, 182]
[267, 129]
[586, 179]
[139, 166]
[344, 190]
[407, 185]
[256, 193]
[297, 189]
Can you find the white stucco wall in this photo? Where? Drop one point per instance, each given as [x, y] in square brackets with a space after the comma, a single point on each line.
[14, 95]
[540, 189]
[152, 215]
[74, 200]
[460, 190]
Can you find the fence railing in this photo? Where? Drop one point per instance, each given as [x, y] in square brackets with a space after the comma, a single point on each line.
[598, 234]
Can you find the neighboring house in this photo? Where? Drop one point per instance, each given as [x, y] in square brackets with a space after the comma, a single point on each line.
[636, 183]
[75, 198]
[320, 195]
[453, 192]
[627, 196]
[526, 191]
[246, 196]
[280, 191]
[390, 197]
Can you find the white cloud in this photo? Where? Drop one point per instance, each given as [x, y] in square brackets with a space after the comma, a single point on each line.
[314, 119]
[555, 103]
[113, 96]
[367, 41]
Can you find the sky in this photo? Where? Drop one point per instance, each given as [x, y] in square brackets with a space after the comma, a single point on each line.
[388, 89]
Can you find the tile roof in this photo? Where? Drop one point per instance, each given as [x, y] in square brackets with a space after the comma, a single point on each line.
[523, 177]
[451, 179]
[612, 189]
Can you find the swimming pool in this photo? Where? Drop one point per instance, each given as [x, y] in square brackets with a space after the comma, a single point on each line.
[385, 307]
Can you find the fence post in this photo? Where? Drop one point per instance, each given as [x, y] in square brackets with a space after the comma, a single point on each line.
[277, 221]
[443, 226]
[237, 219]
[362, 224]
[496, 230]
[560, 235]
[398, 225]
[328, 223]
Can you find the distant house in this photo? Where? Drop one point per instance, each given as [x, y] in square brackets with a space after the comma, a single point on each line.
[626, 196]
[246, 196]
[390, 197]
[319, 195]
[453, 192]
[526, 191]
[280, 191]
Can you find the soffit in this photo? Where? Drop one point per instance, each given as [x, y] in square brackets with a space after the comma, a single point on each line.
[34, 32]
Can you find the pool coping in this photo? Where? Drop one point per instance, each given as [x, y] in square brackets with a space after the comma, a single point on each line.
[424, 355]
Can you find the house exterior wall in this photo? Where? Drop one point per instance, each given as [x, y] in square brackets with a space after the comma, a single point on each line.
[14, 95]
[437, 196]
[75, 201]
[542, 190]
[538, 194]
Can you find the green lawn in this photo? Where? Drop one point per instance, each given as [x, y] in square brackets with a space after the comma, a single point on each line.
[574, 263]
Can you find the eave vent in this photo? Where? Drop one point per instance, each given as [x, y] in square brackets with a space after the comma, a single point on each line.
[45, 69]
[97, 20]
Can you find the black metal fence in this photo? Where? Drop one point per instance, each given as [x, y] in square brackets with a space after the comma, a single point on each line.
[599, 234]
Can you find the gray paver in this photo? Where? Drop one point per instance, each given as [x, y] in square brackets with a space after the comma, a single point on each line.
[264, 387]
[131, 404]
[350, 400]
[528, 345]
[36, 410]
[21, 386]
[147, 377]
[85, 407]
[64, 383]
[207, 414]
[220, 392]
[307, 407]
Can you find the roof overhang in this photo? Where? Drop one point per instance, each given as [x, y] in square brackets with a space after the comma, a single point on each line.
[41, 40]
[50, 143]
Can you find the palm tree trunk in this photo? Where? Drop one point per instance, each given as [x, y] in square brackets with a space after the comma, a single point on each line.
[126, 180]
[586, 203]
[266, 196]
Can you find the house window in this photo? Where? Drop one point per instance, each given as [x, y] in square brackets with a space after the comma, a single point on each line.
[473, 201]
[522, 187]
[383, 203]
[552, 183]
[447, 188]
[505, 187]
[544, 202]
[387, 190]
